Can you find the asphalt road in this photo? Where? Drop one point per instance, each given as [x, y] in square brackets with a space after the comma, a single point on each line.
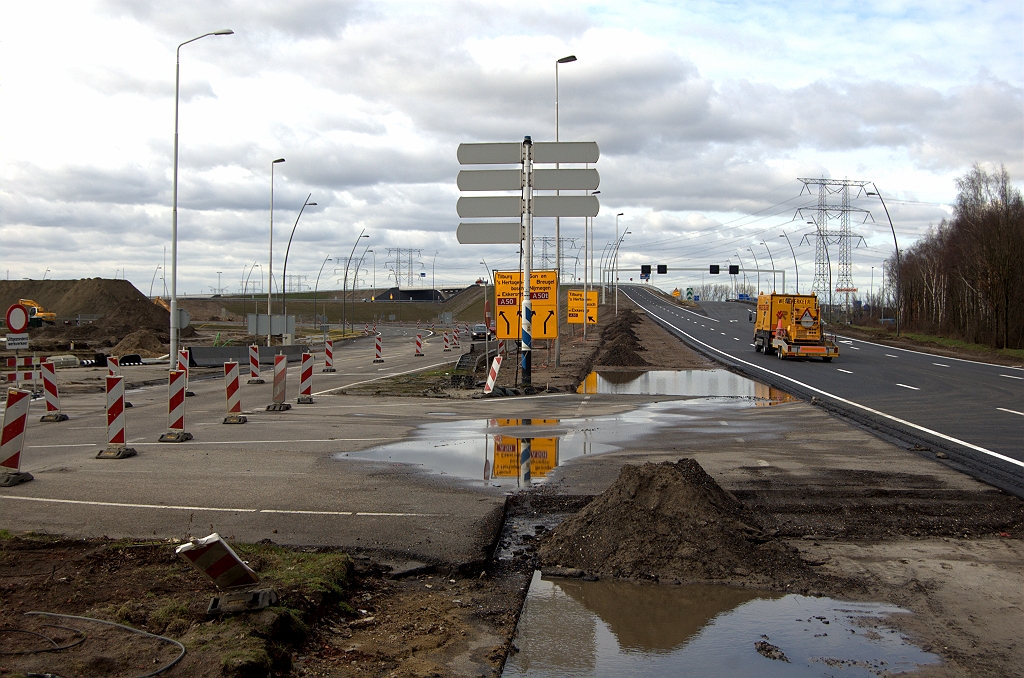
[972, 410]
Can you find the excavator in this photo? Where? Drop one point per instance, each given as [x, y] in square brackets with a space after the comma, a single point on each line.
[37, 315]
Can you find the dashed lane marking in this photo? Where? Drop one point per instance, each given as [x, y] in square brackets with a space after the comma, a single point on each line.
[890, 355]
[842, 370]
[222, 509]
[385, 376]
[940, 365]
[1003, 409]
[913, 388]
[1010, 376]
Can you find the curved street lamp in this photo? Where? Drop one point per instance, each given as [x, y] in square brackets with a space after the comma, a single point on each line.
[315, 288]
[898, 314]
[173, 355]
[757, 268]
[270, 261]
[344, 286]
[772, 259]
[150, 282]
[284, 272]
[797, 268]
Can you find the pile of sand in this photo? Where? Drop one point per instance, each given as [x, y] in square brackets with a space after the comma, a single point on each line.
[146, 343]
[667, 521]
[621, 343]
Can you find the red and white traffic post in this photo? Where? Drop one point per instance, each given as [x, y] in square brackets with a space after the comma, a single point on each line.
[53, 413]
[492, 376]
[380, 351]
[306, 380]
[232, 394]
[447, 348]
[117, 445]
[254, 365]
[184, 358]
[176, 390]
[280, 385]
[329, 356]
[456, 335]
[419, 346]
[12, 440]
[113, 366]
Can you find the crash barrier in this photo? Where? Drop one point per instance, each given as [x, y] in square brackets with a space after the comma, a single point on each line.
[380, 352]
[306, 380]
[117, 447]
[492, 376]
[53, 413]
[216, 356]
[12, 438]
[24, 368]
[254, 365]
[419, 346]
[280, 385]
[447, 348]
[232, 395]
[329, 356]
[176, 390]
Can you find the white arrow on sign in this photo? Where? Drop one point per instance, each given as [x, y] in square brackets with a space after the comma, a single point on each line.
[498, 206]
[566, 179]
[490, 180]
[565, 206]
[504, 153]
[566, 151]
[500, 233]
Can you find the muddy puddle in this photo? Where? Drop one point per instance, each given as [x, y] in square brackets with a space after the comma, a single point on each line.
[693, 383]
[571, 627]
[520, 452]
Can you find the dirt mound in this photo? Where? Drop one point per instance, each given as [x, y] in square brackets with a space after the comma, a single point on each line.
[146, 343]
[621, 343]
[667, 521]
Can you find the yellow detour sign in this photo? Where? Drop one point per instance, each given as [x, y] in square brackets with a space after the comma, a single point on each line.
[676, 292]
[508, 294]
[506, 457]
[543, 456]
[521, 422]
[508, 302]
[574, 307]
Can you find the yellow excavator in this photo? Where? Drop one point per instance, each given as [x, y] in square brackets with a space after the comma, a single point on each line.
[37, 315]
[161, 303]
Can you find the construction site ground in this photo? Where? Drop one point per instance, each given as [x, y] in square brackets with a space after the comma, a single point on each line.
[439, 565]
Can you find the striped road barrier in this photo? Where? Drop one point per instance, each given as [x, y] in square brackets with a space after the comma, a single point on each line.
[280, 385]
[53, 413]
[254, 365]
[380, 351]
[329, 356]
[419, 346]
[12, 439]
[176, 389]
[117, 447]
[306, 380]
[492, 376]
[232, 394]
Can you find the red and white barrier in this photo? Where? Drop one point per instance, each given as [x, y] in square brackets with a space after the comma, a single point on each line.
[329, 356]
[280, 385]
[177, 386]
[380, 350]
[12, 440]
[492, 376]
[419, 346]
[447, 348]
[117, 446]
[113, 366]
[306, 380]
[22, 369]
[214, 558]
[254, 365]
[232, 395]
[366, 328]
[456, 334]
[184, 356]
[53, 412]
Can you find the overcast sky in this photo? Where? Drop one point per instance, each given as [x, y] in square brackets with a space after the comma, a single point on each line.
[706, 114]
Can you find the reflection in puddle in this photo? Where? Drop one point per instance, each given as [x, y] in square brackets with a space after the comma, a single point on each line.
[496, 451]
[700, 383]
[613, 628]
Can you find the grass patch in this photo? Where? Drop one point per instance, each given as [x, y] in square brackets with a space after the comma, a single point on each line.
[304, 573]
[6, 535]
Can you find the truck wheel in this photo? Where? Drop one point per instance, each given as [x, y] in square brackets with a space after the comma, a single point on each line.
[778, 352]
[757, 347]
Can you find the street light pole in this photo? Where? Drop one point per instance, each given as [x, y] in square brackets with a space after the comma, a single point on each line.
[433, 292]
[284, 272]
[175, 328]
[270, 263]
[795, 266]
[558, 220]
[757, 268]
[772, 259]
[315, 288]
[344, 284]
[615, 264]
[152, 281]
[898, 314]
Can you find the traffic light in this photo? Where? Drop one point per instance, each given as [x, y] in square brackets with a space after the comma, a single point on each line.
[645, 269]
[662, 269]
[714, 269]
[734, 269]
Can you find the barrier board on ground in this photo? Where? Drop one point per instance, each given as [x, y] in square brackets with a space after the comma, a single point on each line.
[508, 301]
[574, 307]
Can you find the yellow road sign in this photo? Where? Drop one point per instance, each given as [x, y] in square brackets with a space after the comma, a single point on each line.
[543, 456]
[574, 307]
[507, 450]
[508, 296]
[506, 457]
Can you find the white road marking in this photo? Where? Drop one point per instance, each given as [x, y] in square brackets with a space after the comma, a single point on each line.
[890, 355]
[1010, 411]
[223, 510]
[962, 360]
[940, 364]
[1010, 376]
[855, 348]
[913, 388]
[736, 338]
[268, 442]
[396, 374]
[890, 417]
[842, 370]
[43, 447]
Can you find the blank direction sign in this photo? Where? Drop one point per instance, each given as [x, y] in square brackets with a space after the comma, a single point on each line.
[566, 179]
[491, 180]
[500, 233]
[564, 206]
[504, 153]
[566, 151]
[499, 206]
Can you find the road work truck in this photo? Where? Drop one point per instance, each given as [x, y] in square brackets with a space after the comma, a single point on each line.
[790, 326]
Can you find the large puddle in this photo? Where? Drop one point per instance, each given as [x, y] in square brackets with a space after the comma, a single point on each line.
[693, 383]
[612, 628]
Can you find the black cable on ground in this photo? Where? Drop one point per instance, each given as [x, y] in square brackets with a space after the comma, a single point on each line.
[126, 628]
[56, 647]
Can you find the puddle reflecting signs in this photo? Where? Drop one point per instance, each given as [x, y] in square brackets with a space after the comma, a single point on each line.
[507, 451]
[508, 290]
[574, 307]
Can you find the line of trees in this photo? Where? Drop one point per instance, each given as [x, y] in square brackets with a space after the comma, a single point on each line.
[965, 278]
